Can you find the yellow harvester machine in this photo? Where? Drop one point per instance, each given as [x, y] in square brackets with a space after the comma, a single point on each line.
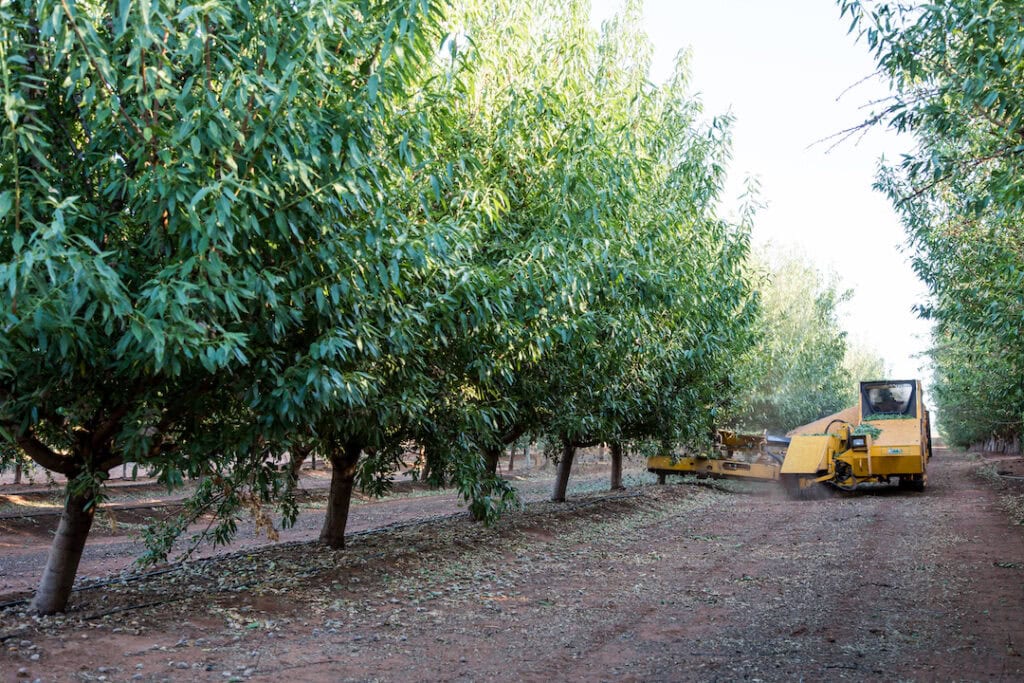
[886, 437]
[736, 456]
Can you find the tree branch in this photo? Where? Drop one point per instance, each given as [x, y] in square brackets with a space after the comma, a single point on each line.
[107, 428]
[96, 66]
[970, 163]
[46, 456]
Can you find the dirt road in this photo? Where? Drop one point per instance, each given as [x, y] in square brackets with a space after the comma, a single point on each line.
[665, 583]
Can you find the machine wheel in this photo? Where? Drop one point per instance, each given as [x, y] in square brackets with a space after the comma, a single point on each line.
[791, 485]
[912, 482]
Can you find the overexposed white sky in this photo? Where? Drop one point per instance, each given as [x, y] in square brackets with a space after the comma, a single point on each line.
[780, 68]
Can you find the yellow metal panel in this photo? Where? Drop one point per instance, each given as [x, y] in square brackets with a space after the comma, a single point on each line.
[850, 415]
[665, 463]
[896, 432]
[806, 455]
[902, 450]
[716, 468]
[897, 464]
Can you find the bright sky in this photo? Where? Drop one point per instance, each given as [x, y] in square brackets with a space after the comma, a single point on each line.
[780, 68]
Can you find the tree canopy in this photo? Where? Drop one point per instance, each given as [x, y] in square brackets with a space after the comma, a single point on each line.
[629, 290]
[188, 194]
[797, 372]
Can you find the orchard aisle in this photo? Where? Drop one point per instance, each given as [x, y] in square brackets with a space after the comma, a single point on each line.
[677, 582]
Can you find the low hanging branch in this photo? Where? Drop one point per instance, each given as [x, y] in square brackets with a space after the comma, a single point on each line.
[47, 457]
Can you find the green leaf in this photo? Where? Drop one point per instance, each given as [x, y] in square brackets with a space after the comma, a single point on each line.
[121, 18]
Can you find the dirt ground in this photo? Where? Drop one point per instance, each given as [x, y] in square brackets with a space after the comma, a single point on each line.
[680, 582]
[29, 516]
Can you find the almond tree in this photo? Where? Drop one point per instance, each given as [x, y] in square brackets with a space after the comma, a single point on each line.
[796, 372]
[595, 200]
[956, 71]
[182, 184]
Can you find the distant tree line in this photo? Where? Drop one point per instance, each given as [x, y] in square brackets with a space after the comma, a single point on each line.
[803, 366]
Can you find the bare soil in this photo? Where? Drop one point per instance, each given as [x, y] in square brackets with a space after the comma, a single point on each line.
[678, 582]
[29, 516]
[1009, 467]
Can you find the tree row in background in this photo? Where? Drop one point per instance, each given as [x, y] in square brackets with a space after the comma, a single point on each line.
[957, 73]
[804, 366]
[233, 233]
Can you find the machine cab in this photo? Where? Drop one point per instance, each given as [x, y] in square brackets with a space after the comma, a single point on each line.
[889, 400]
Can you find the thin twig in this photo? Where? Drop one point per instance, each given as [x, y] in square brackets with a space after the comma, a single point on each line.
[856, 83]
[96, 67]
[969, 163]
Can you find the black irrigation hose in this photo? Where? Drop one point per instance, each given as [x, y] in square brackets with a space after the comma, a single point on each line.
[107, 507]
[118, 507]
[58, 489]
[393, 526]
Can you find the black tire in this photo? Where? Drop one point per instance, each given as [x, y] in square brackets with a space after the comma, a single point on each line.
[912, 482]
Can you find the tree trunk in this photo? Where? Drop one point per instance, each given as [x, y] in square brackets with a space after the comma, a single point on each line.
[425, 467]
[491, 457]
[344, 461]
[17, 473]
[526, 456]
[616, 449]
[512, 457]
[434, 469]
[298, 457]
[564, 467]
[65, 554]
